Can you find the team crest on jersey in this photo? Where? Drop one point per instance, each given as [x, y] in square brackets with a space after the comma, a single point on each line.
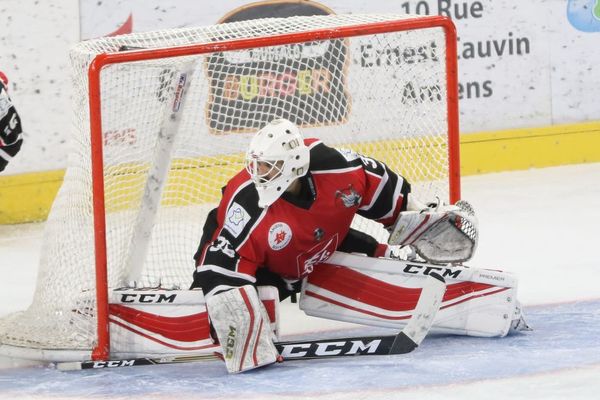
[236, 219]
[349, 197]
[316, 255]
[280, 235]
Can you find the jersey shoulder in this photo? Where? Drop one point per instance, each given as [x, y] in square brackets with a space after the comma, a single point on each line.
[324, 158]
[240, 189]
[239, 207]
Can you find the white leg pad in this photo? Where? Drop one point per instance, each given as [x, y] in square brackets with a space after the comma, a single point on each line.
[242, 327]
[477, 302]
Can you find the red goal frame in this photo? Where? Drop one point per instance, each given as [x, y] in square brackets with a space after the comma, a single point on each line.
[101, 350]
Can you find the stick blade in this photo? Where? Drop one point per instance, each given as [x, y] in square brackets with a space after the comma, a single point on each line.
[403, 344]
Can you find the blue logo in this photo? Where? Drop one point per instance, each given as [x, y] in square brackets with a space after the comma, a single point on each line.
[584, 15]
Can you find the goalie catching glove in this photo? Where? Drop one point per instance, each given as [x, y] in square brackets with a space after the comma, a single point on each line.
[242, 326]
[439, 234]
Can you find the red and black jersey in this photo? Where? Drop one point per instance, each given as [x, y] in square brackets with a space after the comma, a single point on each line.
[296, 233]
[10, 126]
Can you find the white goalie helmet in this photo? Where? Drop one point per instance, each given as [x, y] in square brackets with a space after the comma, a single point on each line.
[275, 158]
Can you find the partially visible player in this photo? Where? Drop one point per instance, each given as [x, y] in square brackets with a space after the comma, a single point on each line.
[288, 211]
[10, 126]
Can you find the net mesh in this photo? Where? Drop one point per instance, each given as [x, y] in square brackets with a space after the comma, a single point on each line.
[382, 95]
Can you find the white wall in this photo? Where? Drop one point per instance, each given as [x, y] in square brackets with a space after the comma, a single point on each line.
[547, 72]
[34, 41]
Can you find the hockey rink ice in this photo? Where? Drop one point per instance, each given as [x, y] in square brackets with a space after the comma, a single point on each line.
[542, 224]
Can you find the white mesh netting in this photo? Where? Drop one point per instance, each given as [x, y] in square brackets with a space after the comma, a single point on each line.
[383, 95]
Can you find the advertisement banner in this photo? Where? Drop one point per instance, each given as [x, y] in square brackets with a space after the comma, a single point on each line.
[521, 64]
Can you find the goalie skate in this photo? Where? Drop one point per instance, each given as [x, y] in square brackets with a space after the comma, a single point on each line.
[518, 323]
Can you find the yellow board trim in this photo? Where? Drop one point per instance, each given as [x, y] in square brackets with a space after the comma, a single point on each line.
[28, 197]
[519, 149]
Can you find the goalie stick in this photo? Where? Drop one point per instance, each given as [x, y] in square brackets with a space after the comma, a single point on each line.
[404, 342]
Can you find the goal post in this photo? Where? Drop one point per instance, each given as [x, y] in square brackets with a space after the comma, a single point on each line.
[152, 151]
[101, 351]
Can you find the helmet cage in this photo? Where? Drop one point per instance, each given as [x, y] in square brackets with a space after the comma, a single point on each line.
[271, 170]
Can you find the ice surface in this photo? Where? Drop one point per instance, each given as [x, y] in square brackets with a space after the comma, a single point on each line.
[540, 224]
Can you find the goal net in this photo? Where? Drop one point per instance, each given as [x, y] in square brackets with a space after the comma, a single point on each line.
[171, 113]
